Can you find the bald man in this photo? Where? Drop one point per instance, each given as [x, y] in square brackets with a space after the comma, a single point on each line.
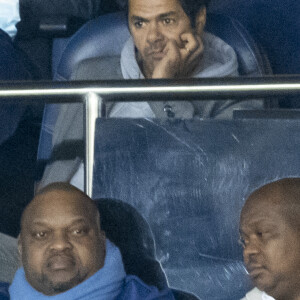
[65, 254]
[270, 234]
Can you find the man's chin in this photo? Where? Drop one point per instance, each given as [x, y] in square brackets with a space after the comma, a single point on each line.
[263, 282]
[61, 287]
[61, 282]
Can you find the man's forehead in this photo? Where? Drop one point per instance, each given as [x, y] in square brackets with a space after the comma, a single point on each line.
[261, 209]
[257, 219]
[61, 197]
[57, 202]
[151, 8]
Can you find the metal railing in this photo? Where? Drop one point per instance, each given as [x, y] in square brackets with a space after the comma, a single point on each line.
[94, 94]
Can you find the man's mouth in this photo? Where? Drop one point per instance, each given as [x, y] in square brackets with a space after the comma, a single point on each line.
[255, 270]
[157, 53]
[60, 262]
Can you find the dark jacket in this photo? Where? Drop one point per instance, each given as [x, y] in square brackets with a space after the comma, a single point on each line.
[38, 46]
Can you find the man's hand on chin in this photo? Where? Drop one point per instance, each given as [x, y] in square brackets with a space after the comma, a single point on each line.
[180, 61]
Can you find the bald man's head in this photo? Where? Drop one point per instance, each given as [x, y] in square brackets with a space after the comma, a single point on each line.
[61, 243]
[270, 231]
[63, 188]
[284, 194]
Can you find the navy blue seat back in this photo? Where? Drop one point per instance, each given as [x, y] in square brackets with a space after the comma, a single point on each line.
[189, 180]
[103, 36]
[275, 24]
[128, 230]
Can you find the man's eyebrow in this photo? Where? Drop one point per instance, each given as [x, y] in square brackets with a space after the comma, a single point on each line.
[138, 18]
[76, 220]
[166, 15]
[135, 18]
[39, 223]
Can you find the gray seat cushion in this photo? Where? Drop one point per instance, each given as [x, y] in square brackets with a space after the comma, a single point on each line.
[9, 257]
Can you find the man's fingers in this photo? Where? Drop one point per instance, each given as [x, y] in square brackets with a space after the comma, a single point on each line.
[190, 42]
[172, 49]
[168, 65]
[191, 57]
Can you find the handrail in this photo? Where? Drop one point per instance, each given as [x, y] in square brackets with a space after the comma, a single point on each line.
[145, 90]
[94, 93]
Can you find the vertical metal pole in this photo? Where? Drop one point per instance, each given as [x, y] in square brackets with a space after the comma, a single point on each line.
[93, 103]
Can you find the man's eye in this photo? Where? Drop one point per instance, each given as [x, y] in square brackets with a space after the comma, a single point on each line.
[79, 231]
[138, 24]
[40, 235]
[168, 21]
[263, 234]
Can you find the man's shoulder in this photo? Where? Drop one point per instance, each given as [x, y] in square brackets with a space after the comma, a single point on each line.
[254, 294]
[98, 68]
[136, 289]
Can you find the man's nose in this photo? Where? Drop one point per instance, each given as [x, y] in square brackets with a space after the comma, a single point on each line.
[60, 241]
[154, 33]
[251, 248]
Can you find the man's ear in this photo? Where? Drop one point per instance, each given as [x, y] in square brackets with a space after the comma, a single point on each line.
[200, 20]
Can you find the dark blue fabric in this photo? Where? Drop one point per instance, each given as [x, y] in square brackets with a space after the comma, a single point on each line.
[275, 24]
[13, 63]
[135, 289]
[130, 232]
[4, 291]
[18, 140]
[13, 66]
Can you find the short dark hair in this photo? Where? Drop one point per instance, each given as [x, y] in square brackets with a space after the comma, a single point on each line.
[190, 7]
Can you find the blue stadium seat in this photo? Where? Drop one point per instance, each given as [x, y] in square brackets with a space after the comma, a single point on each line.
[127, 229]
[275, 24]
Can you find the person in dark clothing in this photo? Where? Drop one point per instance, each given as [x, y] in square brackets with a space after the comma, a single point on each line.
[14, 65]
[36, 44]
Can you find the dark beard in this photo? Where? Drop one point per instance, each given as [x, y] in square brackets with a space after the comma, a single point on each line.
[53, 288]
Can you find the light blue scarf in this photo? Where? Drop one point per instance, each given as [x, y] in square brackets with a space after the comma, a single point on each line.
[106, 284]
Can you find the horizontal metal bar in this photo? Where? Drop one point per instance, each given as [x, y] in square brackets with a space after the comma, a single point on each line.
[154, 90]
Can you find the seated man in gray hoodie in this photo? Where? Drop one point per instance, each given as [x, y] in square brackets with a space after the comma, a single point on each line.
[167, 41]
[270, 234]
